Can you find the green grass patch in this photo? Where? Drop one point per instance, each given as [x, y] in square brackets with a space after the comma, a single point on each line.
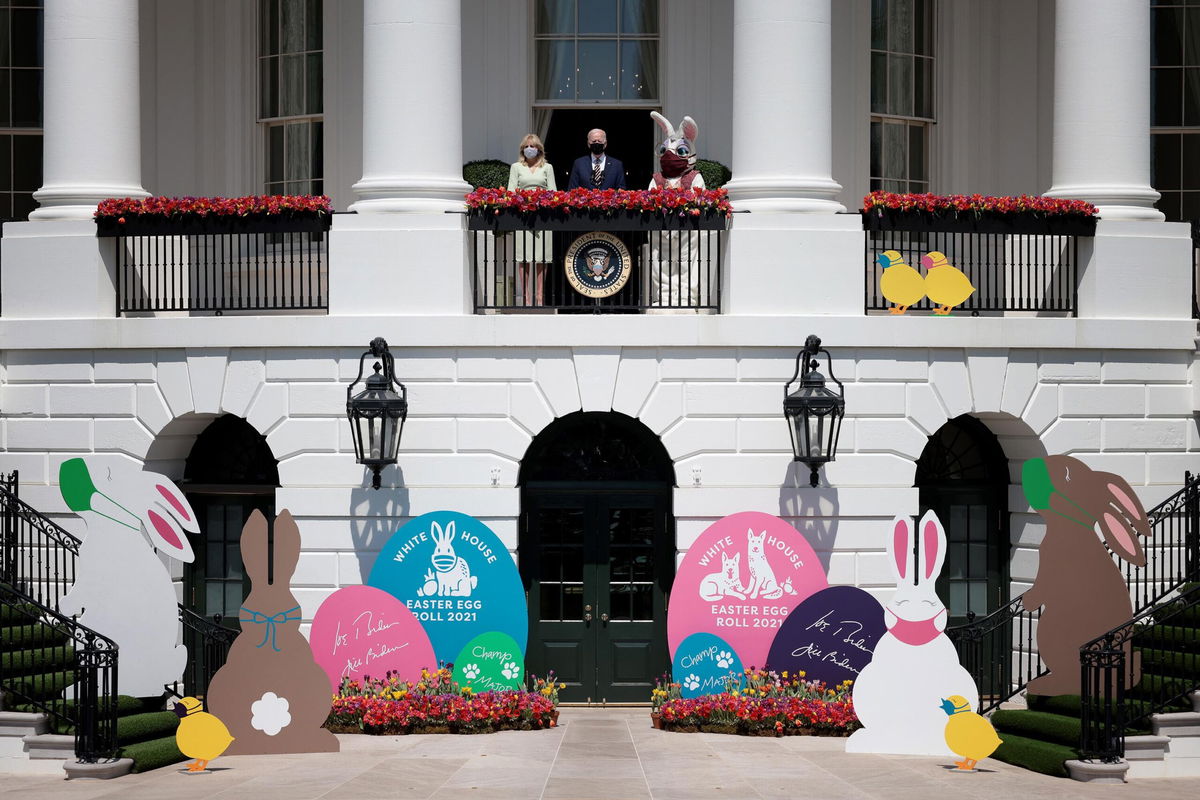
[147, 726]
[153, 754]
[1038, 725]
[24, 637]
[1044, 757]
[24, 662]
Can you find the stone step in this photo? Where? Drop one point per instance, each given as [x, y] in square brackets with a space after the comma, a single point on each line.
[50, 746]
[21, 724]
[1184, 723]
[1146, 748]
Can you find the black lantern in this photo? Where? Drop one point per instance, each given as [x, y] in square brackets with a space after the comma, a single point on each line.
[377, 413]
[814, 413]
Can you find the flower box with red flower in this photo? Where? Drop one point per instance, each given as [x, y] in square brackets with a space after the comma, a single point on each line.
[1021, 215]
[201, 216]
[501, 210]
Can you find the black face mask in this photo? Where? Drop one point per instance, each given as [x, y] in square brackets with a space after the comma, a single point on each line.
[596, 147]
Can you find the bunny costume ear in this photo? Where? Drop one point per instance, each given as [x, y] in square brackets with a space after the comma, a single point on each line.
[254, 547]
[932, 544]
[436, 530]
[689, 129]
[449, 531]
[899, 549]
[285, 548]
[667, 128]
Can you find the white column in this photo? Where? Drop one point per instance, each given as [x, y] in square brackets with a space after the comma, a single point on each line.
[1102, 107]
[92, 146]
[782, 107]
[412, 106]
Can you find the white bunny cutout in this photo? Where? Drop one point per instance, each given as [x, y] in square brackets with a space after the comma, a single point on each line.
[915, 666]
[122, 587]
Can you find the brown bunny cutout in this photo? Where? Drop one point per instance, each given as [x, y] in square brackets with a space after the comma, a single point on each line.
[1078, 581]
[271, 693]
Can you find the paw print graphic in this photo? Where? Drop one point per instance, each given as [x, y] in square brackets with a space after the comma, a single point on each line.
[471, 671]
[692, 682]
[511, 670]
[724, 659]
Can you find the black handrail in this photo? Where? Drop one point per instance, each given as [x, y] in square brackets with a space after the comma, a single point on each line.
[38, 555]
[207, 641]
[1000, 650]
[1110, 665]
[49, 638]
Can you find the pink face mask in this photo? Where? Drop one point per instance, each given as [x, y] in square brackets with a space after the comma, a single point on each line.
[917, 632]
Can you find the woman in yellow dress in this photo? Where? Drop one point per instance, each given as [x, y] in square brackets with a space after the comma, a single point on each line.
[532, 171]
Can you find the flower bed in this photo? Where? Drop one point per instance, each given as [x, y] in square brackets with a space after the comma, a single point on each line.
[682, 202]
[759, 703]
[122, 209]
[436, 704]
[977, 204]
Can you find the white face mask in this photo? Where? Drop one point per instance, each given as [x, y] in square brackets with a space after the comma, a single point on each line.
[531, 153]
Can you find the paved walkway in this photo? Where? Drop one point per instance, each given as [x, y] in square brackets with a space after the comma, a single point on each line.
[594, 753]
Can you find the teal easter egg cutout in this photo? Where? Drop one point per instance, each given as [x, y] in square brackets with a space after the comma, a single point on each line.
[490, 662]
[702, 664]
[457, 578]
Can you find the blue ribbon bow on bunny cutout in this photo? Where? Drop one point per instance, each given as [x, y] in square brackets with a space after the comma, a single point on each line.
[258, 618]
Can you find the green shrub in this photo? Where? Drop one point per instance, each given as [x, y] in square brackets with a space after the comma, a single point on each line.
[715, 173]
[489, 172]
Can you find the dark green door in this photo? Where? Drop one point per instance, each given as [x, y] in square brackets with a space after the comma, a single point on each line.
[973, 576]
[597, 564]
[215, 582]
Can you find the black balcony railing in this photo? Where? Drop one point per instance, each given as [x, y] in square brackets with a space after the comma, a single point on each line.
[221, 265]
[518, 263]
[1015, 264]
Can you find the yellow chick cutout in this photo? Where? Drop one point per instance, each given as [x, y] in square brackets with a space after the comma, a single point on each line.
[904, 286]
[968, 734]
[200, 735]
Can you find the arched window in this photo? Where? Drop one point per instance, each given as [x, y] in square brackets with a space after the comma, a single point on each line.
[963, 476]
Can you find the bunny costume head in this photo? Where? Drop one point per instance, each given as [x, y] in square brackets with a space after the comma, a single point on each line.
[677, 151]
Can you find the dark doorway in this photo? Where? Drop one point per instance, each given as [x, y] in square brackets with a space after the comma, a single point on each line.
[230, 473]
[963, 476]
[597, 544]
[632, 137]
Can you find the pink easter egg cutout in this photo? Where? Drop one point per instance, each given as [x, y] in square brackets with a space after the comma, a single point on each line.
[740, 580]
[361, 630]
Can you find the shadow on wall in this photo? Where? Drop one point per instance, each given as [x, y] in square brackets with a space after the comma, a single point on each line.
[813, 512]
[376, 514]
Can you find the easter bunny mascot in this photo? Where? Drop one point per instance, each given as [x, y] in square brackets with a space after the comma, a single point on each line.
[898, 696]
[122, 588]
[674, 256]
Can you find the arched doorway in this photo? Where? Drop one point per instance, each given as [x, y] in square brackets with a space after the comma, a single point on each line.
[963, 476]
[229, 473]
[597, 546]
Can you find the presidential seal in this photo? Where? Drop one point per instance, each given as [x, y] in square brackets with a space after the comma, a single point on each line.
[598, 265]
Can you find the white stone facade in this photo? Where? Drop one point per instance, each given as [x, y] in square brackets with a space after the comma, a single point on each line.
[474, 411]
[1115, 385]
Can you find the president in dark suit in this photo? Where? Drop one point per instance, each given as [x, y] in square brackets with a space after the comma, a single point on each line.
[597, 171]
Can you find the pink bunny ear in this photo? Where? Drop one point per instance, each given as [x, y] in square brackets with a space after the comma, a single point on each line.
[179, 504]
[166, 534]
[690, 130]
[900, 547]
[933, 546]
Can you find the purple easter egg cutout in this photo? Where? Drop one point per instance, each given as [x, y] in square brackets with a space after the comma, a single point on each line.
[829, 637]
[740, 580]
[361, 630]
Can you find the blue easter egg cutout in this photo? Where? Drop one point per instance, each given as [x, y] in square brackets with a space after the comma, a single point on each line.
[456, 577]
[702, 665]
